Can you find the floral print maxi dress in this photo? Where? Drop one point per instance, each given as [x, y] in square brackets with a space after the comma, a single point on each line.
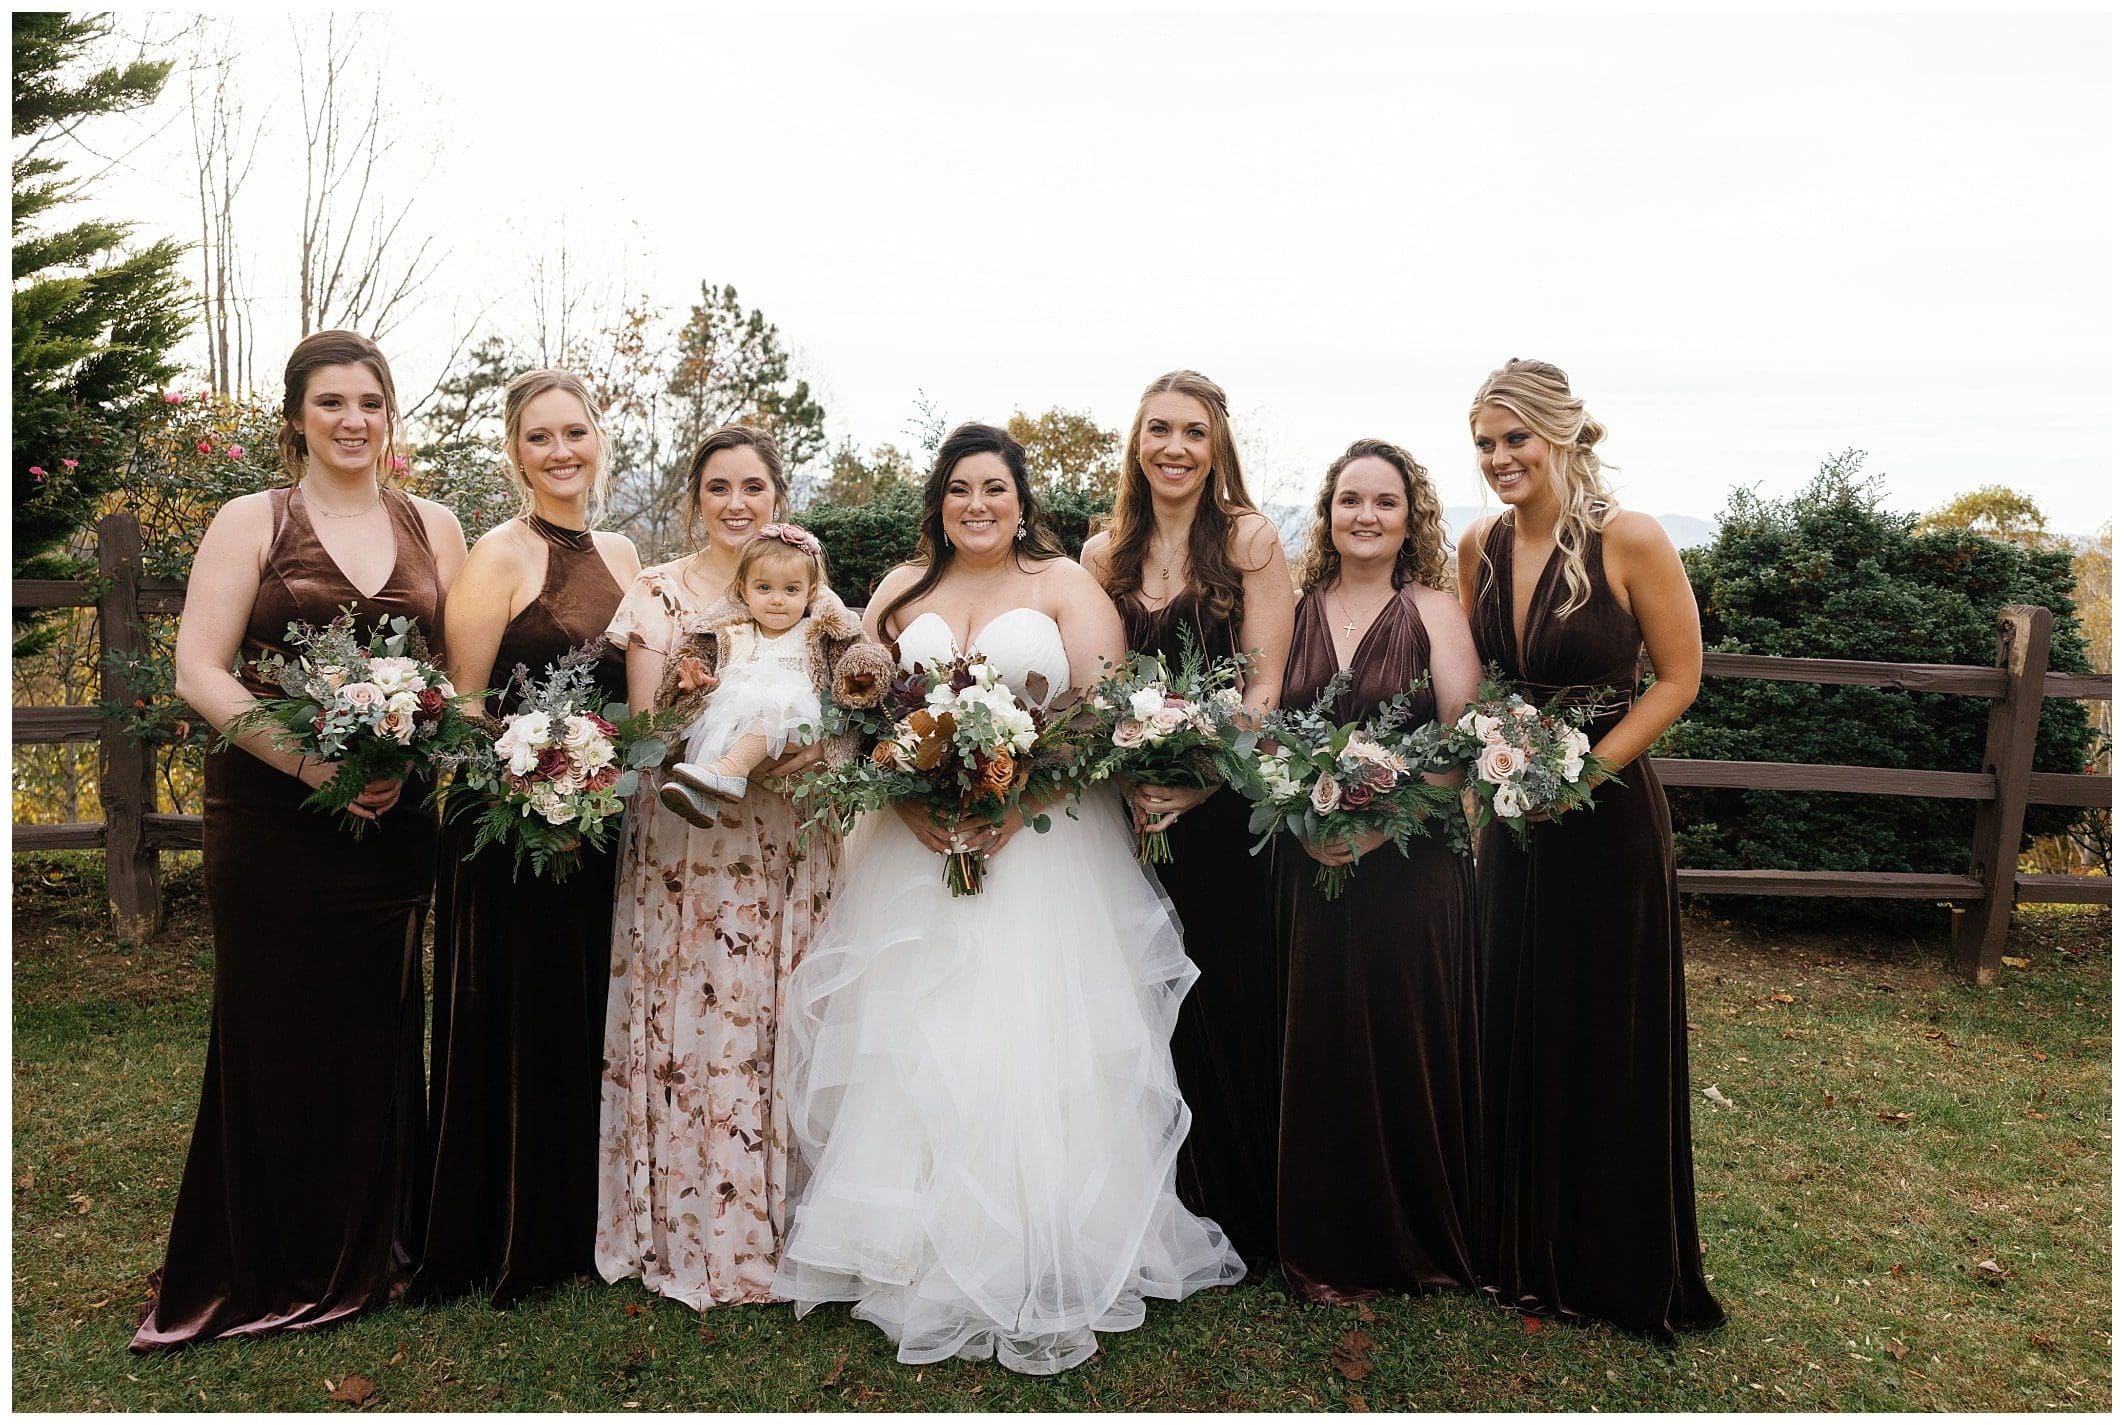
[708, 926]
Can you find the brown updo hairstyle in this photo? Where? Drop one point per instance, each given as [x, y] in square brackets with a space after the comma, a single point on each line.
[1220, 582]
[735, 437]
[313, 352]
[933, 550]
[522, 390]
[1422, 558]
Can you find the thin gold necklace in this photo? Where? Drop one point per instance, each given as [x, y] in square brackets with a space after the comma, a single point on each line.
[1165, 557]
[311, 500]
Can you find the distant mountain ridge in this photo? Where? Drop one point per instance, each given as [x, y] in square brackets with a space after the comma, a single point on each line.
[1291, 521]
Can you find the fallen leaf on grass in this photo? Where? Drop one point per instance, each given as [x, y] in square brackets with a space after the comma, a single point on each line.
[2019, 962]
[1896, 1349]
[1530, 1324]
[1352, 1356]
[1783, 999]
[354, 1390]
[707, 1337]
[1888, 1116]
[1356, 1403]
[81, 1203]
[2042, 1342]
[2041, 1057]
[2039, 1117]
[1364, 1313]
[1993, 1269]
[634, 1308]
[398, 1357]
[1828, 1099]
[1718, 1098]
[28, 1179]
[833, 1377]
[1895, 1269]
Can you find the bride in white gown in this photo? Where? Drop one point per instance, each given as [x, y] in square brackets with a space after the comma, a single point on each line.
[980, 1090]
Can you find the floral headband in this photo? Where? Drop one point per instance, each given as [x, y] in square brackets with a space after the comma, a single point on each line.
[790, 534]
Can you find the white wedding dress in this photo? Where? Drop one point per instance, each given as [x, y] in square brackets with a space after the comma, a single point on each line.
[980, 1090]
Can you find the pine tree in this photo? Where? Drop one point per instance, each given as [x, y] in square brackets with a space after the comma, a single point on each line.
[93, 322]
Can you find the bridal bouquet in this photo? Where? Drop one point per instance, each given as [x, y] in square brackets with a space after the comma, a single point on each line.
[1168, 728]
[1523, 759]
[956, 740]
[557, 776]
[1327, 782]
[376, 706]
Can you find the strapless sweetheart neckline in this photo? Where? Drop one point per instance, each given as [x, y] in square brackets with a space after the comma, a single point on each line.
[975, 641]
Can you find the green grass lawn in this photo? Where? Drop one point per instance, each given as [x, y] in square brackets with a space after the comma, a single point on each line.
[1907, 1207]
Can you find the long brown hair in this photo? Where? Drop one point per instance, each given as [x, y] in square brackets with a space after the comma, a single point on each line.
[1220, 582]
[313, 352]
[1422, 556]
[933, 552]
[1539, 393]
[735, 437]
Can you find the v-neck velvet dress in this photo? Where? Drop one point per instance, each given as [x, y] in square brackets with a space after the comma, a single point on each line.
[1382, 1130]
[294, 1209]
[522, 968]
[1586, 1060]
[1228, 1042]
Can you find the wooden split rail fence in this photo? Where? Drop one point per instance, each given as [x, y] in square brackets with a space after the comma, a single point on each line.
[133, 834]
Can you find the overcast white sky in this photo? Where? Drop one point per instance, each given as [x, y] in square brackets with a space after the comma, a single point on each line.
[1752, 241]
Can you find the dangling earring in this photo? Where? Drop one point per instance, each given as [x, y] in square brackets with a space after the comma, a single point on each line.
[1021, 531]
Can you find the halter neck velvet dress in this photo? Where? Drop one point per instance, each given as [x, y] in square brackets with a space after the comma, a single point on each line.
[1585, 1052]
[1228, 1043]
[294, 1209]
[1382, 1129]
[522, 965]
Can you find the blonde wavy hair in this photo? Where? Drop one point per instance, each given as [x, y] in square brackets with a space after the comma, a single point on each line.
[1423, 556]
[1539, 394]
[522, 390]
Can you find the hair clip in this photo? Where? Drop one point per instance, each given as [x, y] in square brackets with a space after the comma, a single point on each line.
[791, 534]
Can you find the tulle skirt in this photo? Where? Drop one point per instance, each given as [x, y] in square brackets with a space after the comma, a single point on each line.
[758, 697]
[982, 1101]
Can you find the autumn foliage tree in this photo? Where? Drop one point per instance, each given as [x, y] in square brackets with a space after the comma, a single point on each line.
[1068, 453]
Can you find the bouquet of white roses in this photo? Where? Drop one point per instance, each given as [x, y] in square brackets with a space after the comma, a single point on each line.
[1523, 759]
[955, 739]
[558, 775]
[1328, 782]
[1169, 728]
[376, 706]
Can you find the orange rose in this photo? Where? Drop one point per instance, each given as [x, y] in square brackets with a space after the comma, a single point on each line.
[998, 776]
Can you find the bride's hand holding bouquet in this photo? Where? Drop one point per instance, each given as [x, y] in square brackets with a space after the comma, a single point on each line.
[959, 756]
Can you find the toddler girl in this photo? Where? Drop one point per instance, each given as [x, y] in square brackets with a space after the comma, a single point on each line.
[766, 696]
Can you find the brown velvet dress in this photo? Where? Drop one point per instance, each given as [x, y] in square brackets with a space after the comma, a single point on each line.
[1585, 1053]
[1381, 1151]
[522, 964]
[293, 1212]
[1228, 1042]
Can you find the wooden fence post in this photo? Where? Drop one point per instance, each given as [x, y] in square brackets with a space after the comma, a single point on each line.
[2009, 755]
[132, 872]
